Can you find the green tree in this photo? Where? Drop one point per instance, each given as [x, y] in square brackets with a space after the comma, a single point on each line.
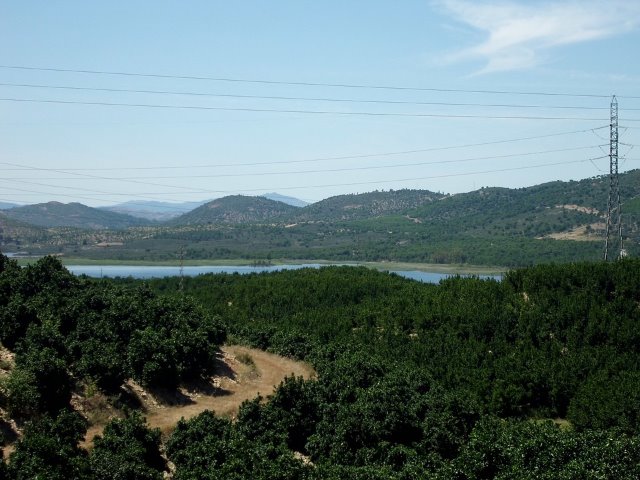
[44, 372]
[49, 449]
[151, 358]
[127, 450]
[21, 393]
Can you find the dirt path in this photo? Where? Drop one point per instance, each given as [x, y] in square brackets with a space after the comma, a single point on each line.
[243, 374]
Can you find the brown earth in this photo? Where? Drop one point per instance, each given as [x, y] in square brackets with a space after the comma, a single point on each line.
[242, 374]
[580, 234]
[9, 429]
[578, 208]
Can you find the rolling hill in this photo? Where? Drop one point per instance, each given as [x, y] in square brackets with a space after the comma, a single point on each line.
[555, 221]
[545, 209]
[56, 214]
[237, 209]
[366, 205]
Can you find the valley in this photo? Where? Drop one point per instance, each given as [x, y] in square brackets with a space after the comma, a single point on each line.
[557, 221]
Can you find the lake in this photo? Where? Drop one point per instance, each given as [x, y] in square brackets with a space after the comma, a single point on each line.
[148, 271]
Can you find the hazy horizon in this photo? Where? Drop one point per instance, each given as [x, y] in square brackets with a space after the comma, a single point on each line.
[203, 201]
[104, 103]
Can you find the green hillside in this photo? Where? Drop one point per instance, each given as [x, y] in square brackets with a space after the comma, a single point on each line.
[56, 214]
[236, 209]
[552, 222]
[14, 233]
[536, 211]
[366, 205]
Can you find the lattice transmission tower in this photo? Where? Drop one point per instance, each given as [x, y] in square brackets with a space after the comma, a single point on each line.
[613, 244]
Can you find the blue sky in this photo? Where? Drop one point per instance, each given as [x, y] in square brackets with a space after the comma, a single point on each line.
[96, 150]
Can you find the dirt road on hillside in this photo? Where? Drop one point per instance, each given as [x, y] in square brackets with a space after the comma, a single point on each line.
[242, 374]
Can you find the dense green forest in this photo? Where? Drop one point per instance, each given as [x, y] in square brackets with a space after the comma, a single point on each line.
[534, 376]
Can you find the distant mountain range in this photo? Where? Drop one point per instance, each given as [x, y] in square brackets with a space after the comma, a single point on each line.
[541, 208]
[6, 205]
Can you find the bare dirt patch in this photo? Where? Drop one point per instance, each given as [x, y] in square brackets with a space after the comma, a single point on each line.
[7, 360]
[9, 429]
[579, 208]
[242, 374]
[580, 234]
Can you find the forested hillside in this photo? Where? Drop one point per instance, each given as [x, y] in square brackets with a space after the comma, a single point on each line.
[16, 233]
[237, 209]
[56, 214]
[552, 222]
[535, 211]
[366, 205]
[534, 376]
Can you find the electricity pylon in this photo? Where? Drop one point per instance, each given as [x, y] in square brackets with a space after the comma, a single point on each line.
[613, 240]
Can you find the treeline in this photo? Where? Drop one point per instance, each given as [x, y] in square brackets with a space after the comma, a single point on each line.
[460, 380]
[382, 240]
[462, 236]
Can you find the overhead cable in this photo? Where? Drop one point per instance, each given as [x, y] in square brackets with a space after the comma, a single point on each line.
[384, 181]
[324, 159]
[298, 111]
[297, 83]
[330, 170]
[307, 99]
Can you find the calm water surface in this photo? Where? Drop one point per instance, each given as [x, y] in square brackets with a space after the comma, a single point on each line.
[142, 271]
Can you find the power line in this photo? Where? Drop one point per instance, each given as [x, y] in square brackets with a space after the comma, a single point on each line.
[93, 190]
[97, 177]
[324, 159]
[384, 181]
[97, 193]
[336, 170]
[311, 99]
[295, 83]
[37, 192]
[316, 112]
[76, 197]
[186, 190]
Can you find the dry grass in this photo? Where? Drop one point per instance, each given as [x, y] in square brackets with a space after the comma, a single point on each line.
[242, 374]
[580, 234]
[7, 360]
[246, 359]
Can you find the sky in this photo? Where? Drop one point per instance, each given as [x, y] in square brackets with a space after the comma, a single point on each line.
[107, 102]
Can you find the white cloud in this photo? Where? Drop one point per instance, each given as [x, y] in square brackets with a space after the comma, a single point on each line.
[520, 34]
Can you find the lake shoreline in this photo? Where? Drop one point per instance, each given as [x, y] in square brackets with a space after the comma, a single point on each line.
[452, 269]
